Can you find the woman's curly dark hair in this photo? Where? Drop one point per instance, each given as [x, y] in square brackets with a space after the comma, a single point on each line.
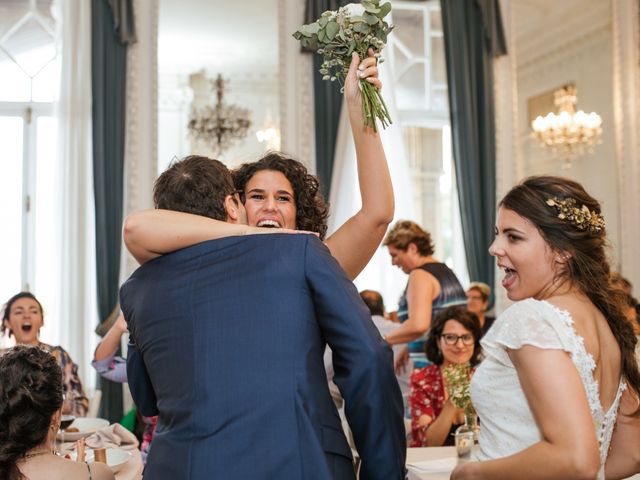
[311, 209]
[30, 393]
[464, 317]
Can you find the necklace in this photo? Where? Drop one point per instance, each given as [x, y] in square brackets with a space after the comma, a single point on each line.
[36, 454]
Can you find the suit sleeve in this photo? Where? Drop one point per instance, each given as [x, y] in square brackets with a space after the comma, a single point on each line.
[139, 382]
[363, 365]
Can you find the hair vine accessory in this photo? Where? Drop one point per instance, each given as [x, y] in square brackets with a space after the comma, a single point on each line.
[581, 217]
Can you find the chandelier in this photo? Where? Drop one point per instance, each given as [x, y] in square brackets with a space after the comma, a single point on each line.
[219, 126]
[568, 133]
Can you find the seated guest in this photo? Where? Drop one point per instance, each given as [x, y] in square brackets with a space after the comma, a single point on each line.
[23, 318]
[478, 295]
[30, 406]
[114, 368]
[373, 300]
[454, 338]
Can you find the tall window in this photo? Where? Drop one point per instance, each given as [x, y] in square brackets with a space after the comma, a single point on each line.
[29, 82]
[420, 77]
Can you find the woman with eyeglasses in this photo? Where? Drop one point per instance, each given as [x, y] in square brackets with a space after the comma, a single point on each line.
[454, 338]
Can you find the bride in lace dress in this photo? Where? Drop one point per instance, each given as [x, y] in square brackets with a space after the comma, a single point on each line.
[558, 360]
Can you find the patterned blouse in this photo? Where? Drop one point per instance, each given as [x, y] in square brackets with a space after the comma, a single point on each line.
[72, 386]
[426, 398]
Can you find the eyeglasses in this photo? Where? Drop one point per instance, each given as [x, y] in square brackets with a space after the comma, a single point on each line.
[452, 338]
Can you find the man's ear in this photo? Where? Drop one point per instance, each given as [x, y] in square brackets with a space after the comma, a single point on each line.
[412, 248]
[232, 208]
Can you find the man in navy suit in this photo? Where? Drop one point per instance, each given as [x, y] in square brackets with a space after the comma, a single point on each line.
[227, 339]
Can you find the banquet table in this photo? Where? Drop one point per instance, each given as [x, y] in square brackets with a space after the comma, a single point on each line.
[132, 470]
[429, 454]
[435, 454]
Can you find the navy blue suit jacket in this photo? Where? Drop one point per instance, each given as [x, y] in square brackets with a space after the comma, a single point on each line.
[227, 342]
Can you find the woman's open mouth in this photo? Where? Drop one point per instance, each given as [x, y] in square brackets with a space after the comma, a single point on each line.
[509, 278]
[26, 327]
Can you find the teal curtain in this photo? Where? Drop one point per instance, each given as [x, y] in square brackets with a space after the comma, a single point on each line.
[473, 36]
[327, 103]
[111, 30]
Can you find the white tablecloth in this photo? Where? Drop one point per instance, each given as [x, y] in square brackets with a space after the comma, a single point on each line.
[425, 454]
[132, 469]
[438, 453]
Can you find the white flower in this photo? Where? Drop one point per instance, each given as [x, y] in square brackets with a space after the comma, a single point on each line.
[354, 9]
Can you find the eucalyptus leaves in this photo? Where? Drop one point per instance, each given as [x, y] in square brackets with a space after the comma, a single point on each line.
[457, 379]
[337, 34]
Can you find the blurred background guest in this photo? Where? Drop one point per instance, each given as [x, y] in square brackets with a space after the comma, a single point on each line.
[373, 300]
[432, 285]
[478, 295]
[114, 368]
[454, 338]
[30, 404]
[23, 318]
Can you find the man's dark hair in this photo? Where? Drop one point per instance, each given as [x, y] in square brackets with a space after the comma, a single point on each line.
[373, 300]
[196, 185]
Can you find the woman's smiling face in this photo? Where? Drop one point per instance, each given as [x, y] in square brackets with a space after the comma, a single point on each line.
[25, 320]
[270, 200]
[530, 264]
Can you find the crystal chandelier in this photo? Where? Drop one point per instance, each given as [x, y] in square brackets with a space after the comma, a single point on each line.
[220, 126]
[568, 133]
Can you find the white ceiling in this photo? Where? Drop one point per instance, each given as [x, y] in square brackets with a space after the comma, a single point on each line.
[542, 26]
[235, 35]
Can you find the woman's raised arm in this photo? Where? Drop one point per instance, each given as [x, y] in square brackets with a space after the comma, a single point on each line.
[355, 242]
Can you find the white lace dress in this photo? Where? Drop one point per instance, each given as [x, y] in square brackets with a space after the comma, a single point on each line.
[507, 424]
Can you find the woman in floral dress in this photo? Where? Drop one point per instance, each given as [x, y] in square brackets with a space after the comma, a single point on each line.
[453, 339]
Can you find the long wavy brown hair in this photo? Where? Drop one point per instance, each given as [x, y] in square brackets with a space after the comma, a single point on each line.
[588, 268]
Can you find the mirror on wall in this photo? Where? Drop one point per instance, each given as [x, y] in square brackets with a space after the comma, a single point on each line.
[199, 40]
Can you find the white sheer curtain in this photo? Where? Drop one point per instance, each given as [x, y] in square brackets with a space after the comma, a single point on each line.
[379, 274]
[76, 306]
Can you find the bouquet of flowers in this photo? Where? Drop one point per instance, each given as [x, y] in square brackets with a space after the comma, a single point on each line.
[337, 34]
[457, 383]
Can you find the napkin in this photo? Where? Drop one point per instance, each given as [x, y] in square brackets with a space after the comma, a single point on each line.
[441, 465]
[113, 436]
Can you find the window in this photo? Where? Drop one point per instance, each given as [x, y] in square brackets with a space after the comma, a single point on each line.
[421, 98]
[29, 78]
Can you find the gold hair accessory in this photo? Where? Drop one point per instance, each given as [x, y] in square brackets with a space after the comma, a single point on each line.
[582, 218]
